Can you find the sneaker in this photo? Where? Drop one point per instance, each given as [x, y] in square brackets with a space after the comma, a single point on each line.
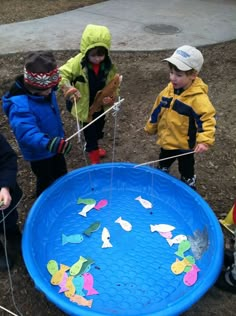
[102, 152]
[191, 182]
[226, 281]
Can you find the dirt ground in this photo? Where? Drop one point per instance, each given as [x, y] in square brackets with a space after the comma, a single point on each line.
[143, 77]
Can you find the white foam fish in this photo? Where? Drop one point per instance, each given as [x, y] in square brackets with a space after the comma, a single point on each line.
[145, 203]
[161, 228]
[124, 224]
[106, 238]
[176, 240]
[86, 209]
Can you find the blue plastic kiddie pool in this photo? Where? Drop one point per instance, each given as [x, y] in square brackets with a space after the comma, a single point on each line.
[134, 276]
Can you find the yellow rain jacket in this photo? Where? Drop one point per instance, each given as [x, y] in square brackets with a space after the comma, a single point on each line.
[182, 121]
[74, 71]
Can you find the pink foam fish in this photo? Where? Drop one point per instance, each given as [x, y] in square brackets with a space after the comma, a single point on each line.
[190, 277]
[62, 284]
[166, 235]
[106, 238]
[100, 204]
[176, 240]
[143, 202]
[88, 284]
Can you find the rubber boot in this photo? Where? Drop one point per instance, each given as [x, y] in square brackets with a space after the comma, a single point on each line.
[102, 152]
[94, 156]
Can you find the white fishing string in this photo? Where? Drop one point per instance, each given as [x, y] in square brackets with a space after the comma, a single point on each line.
[114, 114]
[8, 268]
[154, 161]
[97, 118]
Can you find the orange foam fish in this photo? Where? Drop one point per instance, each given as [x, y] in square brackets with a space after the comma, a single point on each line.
[58, 276]
[70, 286]
[80, 300]
[109, 90]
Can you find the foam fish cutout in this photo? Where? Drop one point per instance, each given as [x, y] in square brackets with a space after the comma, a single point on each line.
[92, 228]
[166, 235]
[86, 209]
[78, 282]
[85, 201]
[80, 300]
[101, 204]
[176, 240]
[190, 277]
[73, 239]
[124, 224]
[62, 284]
[110, 90]
[144, 203]
[70, 286]
[106, 238]
[182, 248]
[199, 243]
[192, 260]
[86, 265]
[178, 266]
[52, 267]
[88, 284]
[58, 276]
[76, 267]
[161, 228]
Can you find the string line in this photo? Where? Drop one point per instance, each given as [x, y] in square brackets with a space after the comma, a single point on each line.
[176, 156]
[97, 118]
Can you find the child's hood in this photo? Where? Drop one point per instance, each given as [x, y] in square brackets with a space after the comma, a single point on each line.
[94, 36]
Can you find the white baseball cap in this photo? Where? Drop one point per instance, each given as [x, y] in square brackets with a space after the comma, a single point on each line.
[186, 58]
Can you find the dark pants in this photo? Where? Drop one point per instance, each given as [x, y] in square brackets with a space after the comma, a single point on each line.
[186, 163]
[94, 132]
[47, 171]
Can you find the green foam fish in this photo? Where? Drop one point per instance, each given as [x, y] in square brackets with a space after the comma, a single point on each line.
[92, 228]
[86, 201]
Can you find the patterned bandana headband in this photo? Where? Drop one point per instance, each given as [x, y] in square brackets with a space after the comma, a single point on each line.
[43, 80]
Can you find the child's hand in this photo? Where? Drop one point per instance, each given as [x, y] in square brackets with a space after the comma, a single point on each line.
[59, 145]
[71, 93]
[108, 101]
[200, 148]
[5, 198]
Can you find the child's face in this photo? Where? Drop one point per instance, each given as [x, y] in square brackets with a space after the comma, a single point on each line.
[95, 56]
[180, 79]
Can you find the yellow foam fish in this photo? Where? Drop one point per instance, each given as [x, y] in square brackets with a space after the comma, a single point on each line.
[178, 266]
[76, 267]
[70, 286]
[58, 276]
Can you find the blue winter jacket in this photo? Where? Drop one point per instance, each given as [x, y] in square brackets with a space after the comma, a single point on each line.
[33, 119]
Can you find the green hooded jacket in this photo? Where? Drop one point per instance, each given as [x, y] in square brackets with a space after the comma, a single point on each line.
[73, 72]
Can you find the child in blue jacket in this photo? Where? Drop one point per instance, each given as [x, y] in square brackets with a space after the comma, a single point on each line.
[34, 117]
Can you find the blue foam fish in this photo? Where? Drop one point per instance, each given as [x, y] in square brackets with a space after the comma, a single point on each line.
[73, 239]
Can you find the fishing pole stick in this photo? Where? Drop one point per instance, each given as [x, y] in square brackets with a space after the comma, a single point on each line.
[97, 118]
[176, 156]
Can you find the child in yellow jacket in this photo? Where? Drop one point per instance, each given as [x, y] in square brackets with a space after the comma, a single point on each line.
[183, 117]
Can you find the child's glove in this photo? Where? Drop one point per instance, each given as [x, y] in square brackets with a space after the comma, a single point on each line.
[59, 146]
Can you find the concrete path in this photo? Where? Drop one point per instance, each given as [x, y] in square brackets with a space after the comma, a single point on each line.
[134, 24]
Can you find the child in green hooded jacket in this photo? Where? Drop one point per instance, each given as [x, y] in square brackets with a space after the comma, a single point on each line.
[82, 77]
